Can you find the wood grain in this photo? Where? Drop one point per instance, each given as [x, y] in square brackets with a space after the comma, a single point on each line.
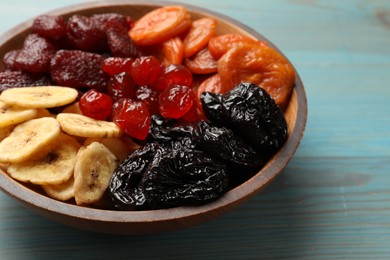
[332, 200]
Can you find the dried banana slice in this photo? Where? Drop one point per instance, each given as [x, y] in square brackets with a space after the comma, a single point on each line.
[53, 168]
[73, 108]
[6, 131]
[115, 145]
[29, 138]
[62, 192]
[84, 126]
[39, 97]
[11, 115]
[94, 167]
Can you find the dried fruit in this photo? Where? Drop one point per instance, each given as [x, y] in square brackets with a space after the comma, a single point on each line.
[145, 70]
[132, 117]
[251, 113]
[173, 51]
[78, 69]
[220, 44]
[95, 105]
[149, 97]
[119, 43]
[201, 31]
[176, 101]
[121, 86]
[160, 25]
[85, 35]
[201, 63]
[182, 177]
[260, 65]
[174, 74]
[49, 26]
[12, 79]
[116, 65]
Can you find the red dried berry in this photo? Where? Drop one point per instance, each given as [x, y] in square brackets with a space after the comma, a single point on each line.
[146, 70]
[78, 69]
[83, 33]
[116, 65]
[49, 26]
[12, 79]
[34, 57]
[149, 97]
[174, 74]
[95, 105]
[119, 42]
[192, 114]
[101, 20]
[176, 101]
[132, 117]
[121, 86]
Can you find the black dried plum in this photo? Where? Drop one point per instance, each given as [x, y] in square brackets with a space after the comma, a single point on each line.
[223, 144]
[172, 132]
[183, 177]
[251, 113]
[123, 188]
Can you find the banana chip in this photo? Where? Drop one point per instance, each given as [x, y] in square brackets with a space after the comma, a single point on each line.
[55, 167]
[62, 192]
[11, 115]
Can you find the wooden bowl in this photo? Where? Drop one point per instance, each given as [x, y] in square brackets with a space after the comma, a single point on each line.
[137, 222]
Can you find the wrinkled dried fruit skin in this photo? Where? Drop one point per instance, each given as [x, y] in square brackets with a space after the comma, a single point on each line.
[12, 79]
[78, 69]
[172, 133]
[123, 188]
[102, 21]
[223, 144]
[250, 112]
[119, 42]
[201, 63]
[183, 177]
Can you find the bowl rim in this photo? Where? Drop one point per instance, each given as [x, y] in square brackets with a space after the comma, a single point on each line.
[251, 187]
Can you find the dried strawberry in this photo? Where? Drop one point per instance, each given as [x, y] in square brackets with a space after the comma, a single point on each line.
[49, 26]
[119, 42]
[78, 69]
[12, 79]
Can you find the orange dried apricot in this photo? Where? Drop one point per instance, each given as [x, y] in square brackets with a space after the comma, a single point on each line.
[201, 31]
[219, 45]
[201, 63]
[160, 25]
[211, 84]
[260, 65]
[173, 51]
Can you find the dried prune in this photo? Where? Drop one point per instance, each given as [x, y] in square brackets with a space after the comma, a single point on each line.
[172, 133]
[223, 144]
[183, 177]
[123, 188]
[251, 113]
[85, 35]
[78, 69]
[12, 79]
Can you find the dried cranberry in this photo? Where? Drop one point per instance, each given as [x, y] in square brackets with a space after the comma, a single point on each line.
[49, 26]
[176, 101]
[12, 79]
[95, 105]
[174, 74]
[78, 69]
[132, 117]
[85, 35]
[121, 86]
[116, 65]
[149, 97]
[146, 70]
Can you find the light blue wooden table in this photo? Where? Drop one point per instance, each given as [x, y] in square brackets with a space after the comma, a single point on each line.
[333, 199]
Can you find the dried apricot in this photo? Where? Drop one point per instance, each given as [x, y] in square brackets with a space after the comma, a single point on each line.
[160, 25]
[260, 65]
[219, 45]
[202, 30]
[173, 51]
[201, 63]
